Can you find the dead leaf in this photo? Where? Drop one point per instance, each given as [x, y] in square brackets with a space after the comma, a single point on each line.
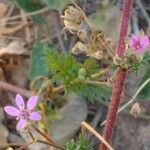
[17, 28]
[3, 9]
[14, 48]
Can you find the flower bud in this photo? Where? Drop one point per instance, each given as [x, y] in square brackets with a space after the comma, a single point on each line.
[82, 35]
[82, 73]
[79, 48]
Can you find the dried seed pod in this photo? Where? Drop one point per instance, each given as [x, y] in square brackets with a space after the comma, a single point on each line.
[95, 54]
[82, 35]
[73, 18]
[97, 44]
[98, 36]
[135, 110]
[79, 48]
[120, 62]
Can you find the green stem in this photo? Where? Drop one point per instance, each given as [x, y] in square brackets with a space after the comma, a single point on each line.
[132, 99]
[134, 96]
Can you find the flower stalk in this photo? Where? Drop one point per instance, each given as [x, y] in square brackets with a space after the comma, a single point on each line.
[120, 77]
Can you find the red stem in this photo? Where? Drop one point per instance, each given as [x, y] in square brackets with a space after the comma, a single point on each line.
[120, 77]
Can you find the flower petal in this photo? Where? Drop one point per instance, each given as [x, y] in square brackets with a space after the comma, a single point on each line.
[35, 116]
[32, 102]
[133, 40]
[20, 101]
[13, 111]
[145, 41]
[21, 124]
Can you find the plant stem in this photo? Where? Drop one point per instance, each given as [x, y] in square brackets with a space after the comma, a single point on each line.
[27, 14]
[124, 27]
[132, 99]
[120, 77]
[50, 141]
[26, 93]
[92, 82]
[13, 88]
[26, 145]
[89, 128]
[134, 96]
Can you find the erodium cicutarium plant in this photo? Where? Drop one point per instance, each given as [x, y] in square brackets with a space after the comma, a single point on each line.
[24, 113]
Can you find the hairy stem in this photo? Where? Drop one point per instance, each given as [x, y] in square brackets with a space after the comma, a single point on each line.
[120, 77]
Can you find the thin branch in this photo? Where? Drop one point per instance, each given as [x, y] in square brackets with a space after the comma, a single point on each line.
[92, 82]
[27, 14]
[132, 99]
[134, 96]
[44, 135]
[26, 145]
[50, 140]
[94, 132]
[13, 88]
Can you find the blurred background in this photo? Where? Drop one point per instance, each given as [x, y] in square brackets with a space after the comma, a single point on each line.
[26, 26]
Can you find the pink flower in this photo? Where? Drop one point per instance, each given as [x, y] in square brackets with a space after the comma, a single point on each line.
[22, 113]
[139, 43]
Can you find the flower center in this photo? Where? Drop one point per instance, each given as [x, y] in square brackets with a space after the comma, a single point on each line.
[137, 45]
[24, 113]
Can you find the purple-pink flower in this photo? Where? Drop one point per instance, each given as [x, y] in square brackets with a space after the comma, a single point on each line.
[139, 43]
[24, 113]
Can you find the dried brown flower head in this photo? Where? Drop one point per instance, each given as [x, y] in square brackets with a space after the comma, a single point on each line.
[73, 18]
[120, 62]
[135, 110]
[95, 46]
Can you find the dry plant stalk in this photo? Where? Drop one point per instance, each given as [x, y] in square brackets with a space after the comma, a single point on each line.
[94, 132]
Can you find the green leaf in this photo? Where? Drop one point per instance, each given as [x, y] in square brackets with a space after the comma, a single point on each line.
[52, 114]
[36, 61]
[145, 93]
[29, 5]
[64, 69]
[81, 144]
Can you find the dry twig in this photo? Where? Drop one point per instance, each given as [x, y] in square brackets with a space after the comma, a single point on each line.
[89, 128]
